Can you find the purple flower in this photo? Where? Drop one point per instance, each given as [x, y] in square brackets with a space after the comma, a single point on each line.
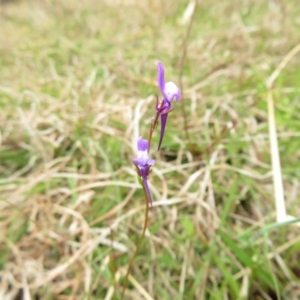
[143, 164]
[170, 92]
[169, 89]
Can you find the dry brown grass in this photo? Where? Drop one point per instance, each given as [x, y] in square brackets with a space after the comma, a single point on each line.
[77, 89]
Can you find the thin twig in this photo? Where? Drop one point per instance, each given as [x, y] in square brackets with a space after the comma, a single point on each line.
[181, 66]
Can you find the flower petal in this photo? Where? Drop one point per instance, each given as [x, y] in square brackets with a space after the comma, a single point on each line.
[171, 91]
[142, 144]
[151, 162]
[161, 76]
[143, 161]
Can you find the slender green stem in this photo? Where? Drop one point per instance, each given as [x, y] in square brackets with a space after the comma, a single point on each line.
[138, 244]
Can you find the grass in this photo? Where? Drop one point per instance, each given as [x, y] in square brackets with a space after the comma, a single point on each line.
[78, 85]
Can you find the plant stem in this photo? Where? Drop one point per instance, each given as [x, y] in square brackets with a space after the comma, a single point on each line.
[153, 125]
[139, 243]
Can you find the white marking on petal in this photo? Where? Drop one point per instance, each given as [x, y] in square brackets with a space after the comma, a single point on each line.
[171, 91]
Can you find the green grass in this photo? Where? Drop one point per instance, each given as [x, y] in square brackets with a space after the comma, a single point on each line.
[72, 78]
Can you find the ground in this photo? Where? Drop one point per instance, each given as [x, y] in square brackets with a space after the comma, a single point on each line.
[78, 87]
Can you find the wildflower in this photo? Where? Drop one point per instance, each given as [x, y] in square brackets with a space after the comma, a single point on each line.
[143, 164]
[170, 92]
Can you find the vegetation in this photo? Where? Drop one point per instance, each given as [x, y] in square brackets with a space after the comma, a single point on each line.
[77, 88]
